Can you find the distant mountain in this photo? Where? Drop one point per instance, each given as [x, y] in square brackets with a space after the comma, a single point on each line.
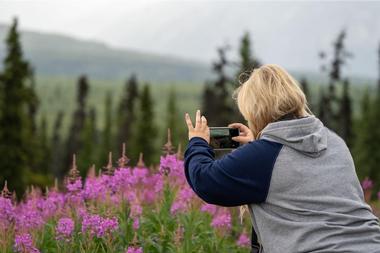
[53, 54]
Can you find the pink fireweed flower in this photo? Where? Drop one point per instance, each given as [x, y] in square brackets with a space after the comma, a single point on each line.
[65, 229]
[75, 186]
[131, 196]
[182, 200]
[51, 205]
[243, 240]
[222, 220]
[140, 173]
[6, 212]
[136, 223]
[158, 183]
[93, 188]
[99, 226]
[367, 184]
[134, 250]
[208, 208]
[178, 206]
[24, 244]
[27, 216]
[74, 195]
[136, 209]
[171, 166]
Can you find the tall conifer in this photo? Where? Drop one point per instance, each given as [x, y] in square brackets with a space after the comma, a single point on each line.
[75, 139]
[127, 114]
[146, 131]
[57, 148]
[14, 131]
[217, 100]
[107, 133]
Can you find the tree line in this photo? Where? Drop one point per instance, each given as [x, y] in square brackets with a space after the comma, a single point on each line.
[31, 156]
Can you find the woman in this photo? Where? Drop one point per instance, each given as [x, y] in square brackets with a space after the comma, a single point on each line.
[297, 176]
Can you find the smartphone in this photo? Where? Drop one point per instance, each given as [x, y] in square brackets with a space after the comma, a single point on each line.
[221, 138]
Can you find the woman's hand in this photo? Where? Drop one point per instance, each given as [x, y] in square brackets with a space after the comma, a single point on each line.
[201, 129]
[245, 135]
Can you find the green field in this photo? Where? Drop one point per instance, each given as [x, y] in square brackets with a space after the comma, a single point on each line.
[59, 93]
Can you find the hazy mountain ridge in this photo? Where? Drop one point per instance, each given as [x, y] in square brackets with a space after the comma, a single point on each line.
[62, 55]
[53, 54]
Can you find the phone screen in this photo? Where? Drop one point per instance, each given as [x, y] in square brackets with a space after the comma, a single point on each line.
[220, 137]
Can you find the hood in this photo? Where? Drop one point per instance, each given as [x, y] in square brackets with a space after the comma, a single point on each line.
[307, 135]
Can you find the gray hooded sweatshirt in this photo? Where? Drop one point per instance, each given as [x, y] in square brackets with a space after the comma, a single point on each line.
[300, 184]
[315, 202]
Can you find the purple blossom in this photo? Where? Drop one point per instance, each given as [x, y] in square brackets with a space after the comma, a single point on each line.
[93, 189]
[170, 165]
[140, 173]
[132, 249]
[28, 216]
[178, 206]
[222, 220]
[75, 186]
[51, 205]
[24, 244]
[182, 201]
[6, 212]
[64, 229]
[208, 208]
[136, 223]
[367, 184]
[136, 209]
[243, 240]
[99, 226]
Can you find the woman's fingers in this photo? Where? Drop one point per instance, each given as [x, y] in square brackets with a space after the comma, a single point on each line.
[198, 123]
[188, 122]
[235, 125]
[242, 139]
[204, 122]
[242, 128]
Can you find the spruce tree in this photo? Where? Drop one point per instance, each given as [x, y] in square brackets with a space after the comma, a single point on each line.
[332, 100]
[57, 151]
[37, 155]
[44, 147]
[305, 88]
[247, 60]
[219, 110]
[146, 131]
[74, 141]
[172, 118]
[363, 141]
[322, 108]
[127, 114]
[88, 153]
[375, 132]
[14, 131]
[209, 104]
[107, 133]
[345, 113]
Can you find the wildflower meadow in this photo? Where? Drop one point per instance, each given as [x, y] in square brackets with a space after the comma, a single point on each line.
[123, 209]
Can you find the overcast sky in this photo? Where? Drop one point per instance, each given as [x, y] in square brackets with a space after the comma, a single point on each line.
[288, 33]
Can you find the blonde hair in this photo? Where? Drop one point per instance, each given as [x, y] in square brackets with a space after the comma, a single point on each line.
[269, 93]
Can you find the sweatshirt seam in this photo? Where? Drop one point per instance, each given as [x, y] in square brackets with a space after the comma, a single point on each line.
[273, 164]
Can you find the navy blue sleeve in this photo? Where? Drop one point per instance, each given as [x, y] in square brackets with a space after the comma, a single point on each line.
[238, 178]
